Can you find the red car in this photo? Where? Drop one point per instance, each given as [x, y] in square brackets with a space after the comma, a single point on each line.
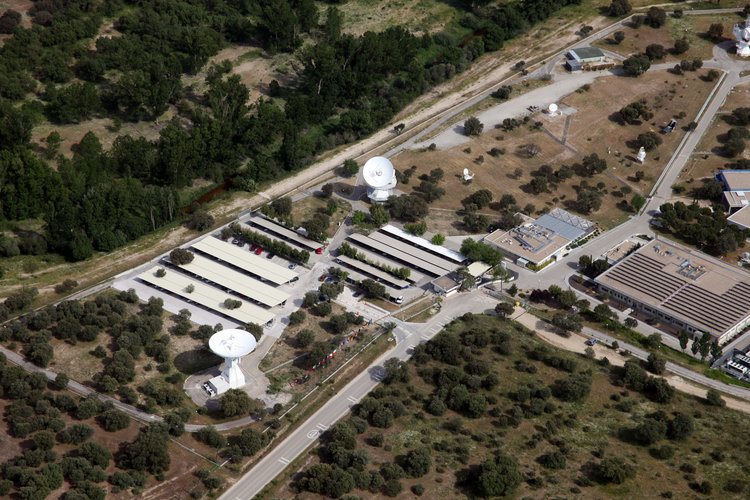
[319, 251]
[258, 251]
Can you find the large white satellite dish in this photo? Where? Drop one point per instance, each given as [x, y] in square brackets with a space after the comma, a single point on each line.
[378, 172]
[380, 177]
[232, 343]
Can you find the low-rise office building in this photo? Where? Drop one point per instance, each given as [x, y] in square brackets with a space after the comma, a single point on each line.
[682, 287]
[546, 239]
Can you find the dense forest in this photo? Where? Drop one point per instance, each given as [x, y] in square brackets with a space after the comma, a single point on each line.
[60, 70]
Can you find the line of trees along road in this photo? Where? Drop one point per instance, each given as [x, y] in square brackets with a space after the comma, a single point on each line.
[99, 200]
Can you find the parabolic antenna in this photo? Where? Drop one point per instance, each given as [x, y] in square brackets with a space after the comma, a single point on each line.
[232, 343]
[466, 172]
[378, 172]
[553, 108]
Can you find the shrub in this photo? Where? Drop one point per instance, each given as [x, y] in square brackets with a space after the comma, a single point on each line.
[114, 420]
[614, 470]
[713, 398]
[180, 256]
[305, 338]
[472, 126]
[297, 317]
[552, 460]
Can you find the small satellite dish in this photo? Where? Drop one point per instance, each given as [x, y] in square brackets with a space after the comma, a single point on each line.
[466, 172]
[552, 109]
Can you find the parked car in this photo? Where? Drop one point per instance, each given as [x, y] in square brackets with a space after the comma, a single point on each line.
[258, 251]
[296, 278]
[592, 341]
[329, 280]
[319, 251]
[357, 294]
[322, 277]
[670, 126]
[399, 299]
[270, 256]
[292, 266]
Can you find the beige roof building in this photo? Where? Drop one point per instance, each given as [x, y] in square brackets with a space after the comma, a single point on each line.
[735, 200]
[741, 218]
[683, 287]
[543, 239]
[529, 243]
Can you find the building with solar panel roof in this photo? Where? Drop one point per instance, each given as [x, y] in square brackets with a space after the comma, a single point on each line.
[683, 288]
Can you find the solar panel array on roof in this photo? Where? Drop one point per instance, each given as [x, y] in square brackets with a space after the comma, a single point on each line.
[565, 224]
[245, 260]
[380, 261]
[207, 296]
[419, 253]
[285, 232]
[684, 285]
[645, 273]
[373, 271]
[234, 280]
[449, 254]
[395, 254]
[354, 276]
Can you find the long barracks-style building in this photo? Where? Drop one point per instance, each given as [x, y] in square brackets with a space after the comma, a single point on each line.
[682, 287]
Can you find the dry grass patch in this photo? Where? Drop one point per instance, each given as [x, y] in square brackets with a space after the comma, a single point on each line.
[377, 15]
[691, 27]
[739, 97]
[591, 129]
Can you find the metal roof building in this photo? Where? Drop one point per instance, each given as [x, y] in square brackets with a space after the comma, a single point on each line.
[236, 281]
[565, 224]
[404, 258]
[206, 296]
[244, 260]
[683, 287]
[354, 276]
[284, 232]
[586, 54]
[418, 253]
[373, 272]
[438, 250]
[379, 260]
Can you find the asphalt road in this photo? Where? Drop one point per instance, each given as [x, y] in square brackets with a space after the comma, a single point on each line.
[275, 461]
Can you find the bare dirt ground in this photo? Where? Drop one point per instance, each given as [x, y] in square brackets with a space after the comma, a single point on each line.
[575, 343]
[693, 28]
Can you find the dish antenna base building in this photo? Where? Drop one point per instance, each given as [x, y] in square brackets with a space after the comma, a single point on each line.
[230, 345]
[380, 177]
[741, 32]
